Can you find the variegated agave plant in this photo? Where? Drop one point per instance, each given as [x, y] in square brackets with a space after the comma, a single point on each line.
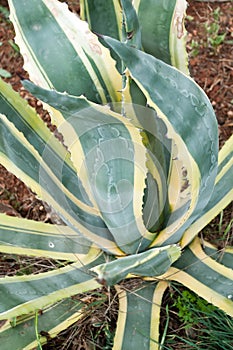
[141, 177]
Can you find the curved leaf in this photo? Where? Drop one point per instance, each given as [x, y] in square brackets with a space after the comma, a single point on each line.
[131, 26]
[47, 32]
[51, 321]
[19, 157]
[28, 237]
[114, 159]
[27, 121]
[103, 17]
[25, 294]
[153, 262]
[221, 196]
[203, 275]
[163, 32]
[187, 113]
[223, 256]
[138, 320]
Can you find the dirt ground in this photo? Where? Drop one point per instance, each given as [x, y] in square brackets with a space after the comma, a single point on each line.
[210, 47]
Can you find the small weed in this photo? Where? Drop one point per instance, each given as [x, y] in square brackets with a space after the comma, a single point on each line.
[188, 304]
[217, 14]
[212, 38]
[104, 332]
[4, 11]
[212, 27]
[14, 46]
[204, 326]
[189, 18]
[195, 48]
[4, 73]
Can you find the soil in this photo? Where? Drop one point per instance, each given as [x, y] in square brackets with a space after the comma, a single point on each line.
[211, 66]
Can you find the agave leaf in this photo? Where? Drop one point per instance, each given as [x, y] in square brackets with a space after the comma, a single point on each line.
[164, 20]
[156, 19]
[153, 262]
[138, 319]
[131, 26]
[103, 17]
[25, 294]
[223, 256]
[203, 275]
[114, 157]
[19, 157]
[28, 237]
[47, 32]
[221, 196]
[51, 321]
[187, 113]
[225, 154]
[27, 121]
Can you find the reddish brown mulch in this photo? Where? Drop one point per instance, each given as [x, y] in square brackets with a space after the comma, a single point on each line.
[213, 70]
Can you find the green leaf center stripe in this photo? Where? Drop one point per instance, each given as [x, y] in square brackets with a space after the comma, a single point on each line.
[223, 256]
[46, 46]
[158, 146]
[138, 311]
[53, 320]
[35, 165]
[155, 197]
[114, 156]
[41, 239]
[103, 17]
[183, 187]
[67, 29]
[153, 262]
[156, 26]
